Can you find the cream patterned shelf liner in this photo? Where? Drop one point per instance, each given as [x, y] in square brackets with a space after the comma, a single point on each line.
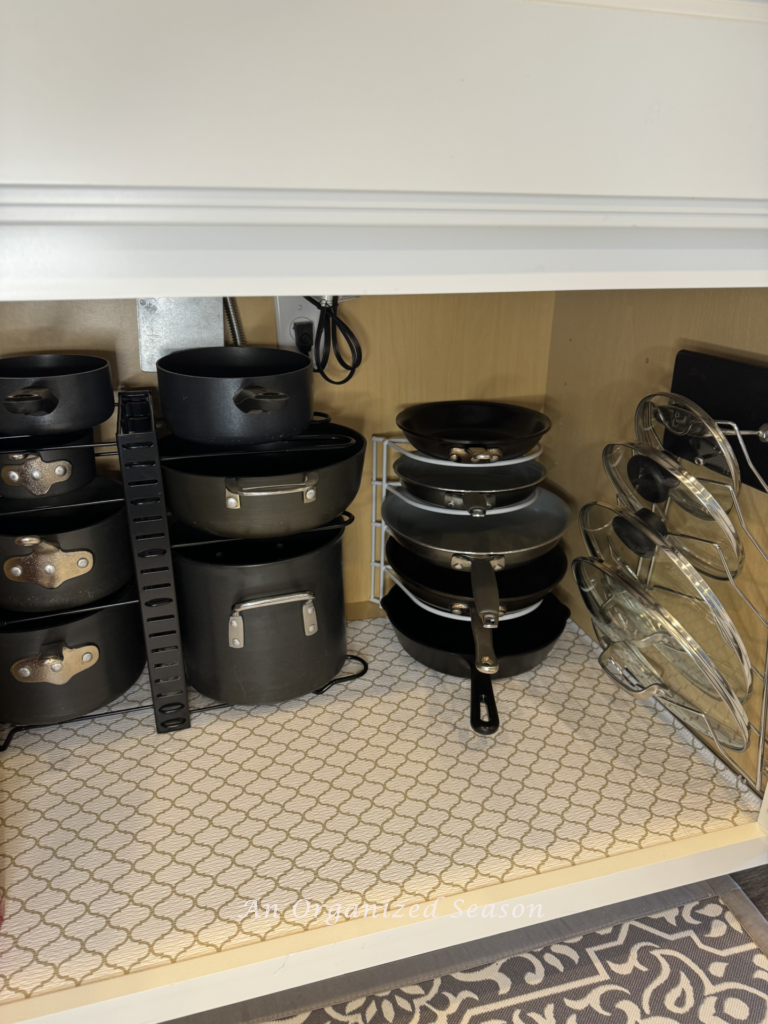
[123, 850]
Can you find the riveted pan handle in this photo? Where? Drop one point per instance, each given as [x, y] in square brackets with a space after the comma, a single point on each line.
[31, 402]
[254, 400]
[485, 656]
[233, 492]
[482, 699]
[485, 592]
[308, 614]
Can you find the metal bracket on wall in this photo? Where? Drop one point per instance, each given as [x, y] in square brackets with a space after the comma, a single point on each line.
[148, 526]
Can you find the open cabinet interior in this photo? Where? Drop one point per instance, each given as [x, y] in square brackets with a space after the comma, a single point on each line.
[125, 852]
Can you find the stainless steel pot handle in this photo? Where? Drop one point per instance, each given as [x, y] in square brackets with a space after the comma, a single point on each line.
[233, 492]
[485, 656]
[29, 471]
[308, 613]
[55, 668]
[46, 565]
[475, 454]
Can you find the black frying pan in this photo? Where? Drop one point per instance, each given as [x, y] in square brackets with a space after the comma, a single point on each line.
[448, 646]
[473, 488]
[472, 431]
[519, 587]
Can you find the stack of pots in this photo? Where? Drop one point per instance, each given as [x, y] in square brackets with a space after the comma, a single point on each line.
[474, 545]
[258, 486]
[70, 643]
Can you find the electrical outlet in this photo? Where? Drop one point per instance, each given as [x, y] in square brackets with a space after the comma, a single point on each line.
[290, 310]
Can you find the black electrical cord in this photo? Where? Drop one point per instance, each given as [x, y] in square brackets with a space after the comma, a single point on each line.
[329, 327]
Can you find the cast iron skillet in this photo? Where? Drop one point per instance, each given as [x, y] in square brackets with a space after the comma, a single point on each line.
[447, 646]
[519, 587]
[475, 489]
[52, 393]
[472, 431]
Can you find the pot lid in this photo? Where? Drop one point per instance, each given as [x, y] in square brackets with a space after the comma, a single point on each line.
[636, 546]
[676, 425]
[649, 654]
[697, 525]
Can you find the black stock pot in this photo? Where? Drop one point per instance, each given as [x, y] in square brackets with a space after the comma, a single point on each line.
[61, 667]
[235, 395]
[48, 467]
[262, 621]
[50, 393]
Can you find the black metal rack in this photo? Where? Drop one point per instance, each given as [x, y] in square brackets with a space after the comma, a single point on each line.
[137, 449]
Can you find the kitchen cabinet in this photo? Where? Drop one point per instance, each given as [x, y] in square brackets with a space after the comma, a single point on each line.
[539, 203]
[132, 856]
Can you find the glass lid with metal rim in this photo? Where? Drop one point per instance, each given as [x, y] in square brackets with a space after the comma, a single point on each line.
[697, 525]
[636, 545]
[649, 654]
[676, 425]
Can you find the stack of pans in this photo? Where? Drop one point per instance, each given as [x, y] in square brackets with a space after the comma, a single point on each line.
[473, 545]
[71, 633]
[663, 630]
[256, 489]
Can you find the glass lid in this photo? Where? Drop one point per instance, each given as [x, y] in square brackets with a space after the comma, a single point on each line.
[636, 545]
[650, 654]
[676, 425]
[697, 525]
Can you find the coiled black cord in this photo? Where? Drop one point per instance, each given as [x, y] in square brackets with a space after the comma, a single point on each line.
[329, 327]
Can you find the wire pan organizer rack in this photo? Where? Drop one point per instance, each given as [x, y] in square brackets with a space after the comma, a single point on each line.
[383, 450]
[153, 539]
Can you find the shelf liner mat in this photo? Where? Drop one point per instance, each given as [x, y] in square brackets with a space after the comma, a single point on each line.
[123, 850]
[691, 963]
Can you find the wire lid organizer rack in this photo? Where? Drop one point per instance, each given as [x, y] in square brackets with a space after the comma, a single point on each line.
[679, 488]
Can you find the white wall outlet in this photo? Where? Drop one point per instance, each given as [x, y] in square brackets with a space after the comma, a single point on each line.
[290, 310]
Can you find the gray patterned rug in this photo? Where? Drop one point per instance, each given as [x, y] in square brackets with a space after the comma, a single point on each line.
[689, 964]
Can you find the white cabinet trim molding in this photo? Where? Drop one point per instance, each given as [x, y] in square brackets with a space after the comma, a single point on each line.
[735, 10]
[105, 242]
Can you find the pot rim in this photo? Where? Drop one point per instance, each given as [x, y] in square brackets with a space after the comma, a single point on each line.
[163, 363]
[98, 364]
[333, 536]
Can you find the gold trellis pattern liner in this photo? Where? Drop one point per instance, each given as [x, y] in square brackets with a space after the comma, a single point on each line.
[123, 850]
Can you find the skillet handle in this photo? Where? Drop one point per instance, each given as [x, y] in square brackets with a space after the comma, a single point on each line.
[482, 698]
[485, 592]
[256, 400]
[485, 656]
[31, 402]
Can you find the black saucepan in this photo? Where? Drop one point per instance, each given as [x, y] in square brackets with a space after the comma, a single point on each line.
[64, 666]
[472, 431]
[54, 465]
[481, 547]
[272, 494]
[66, 557]
[262, 621]
[235, 395]
[51, 393]
[448, 647]
[476, 489]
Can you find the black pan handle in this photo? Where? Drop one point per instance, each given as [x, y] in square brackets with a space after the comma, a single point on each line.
[485, 592]
[255, 400]
[31, 402]
[482, 700]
